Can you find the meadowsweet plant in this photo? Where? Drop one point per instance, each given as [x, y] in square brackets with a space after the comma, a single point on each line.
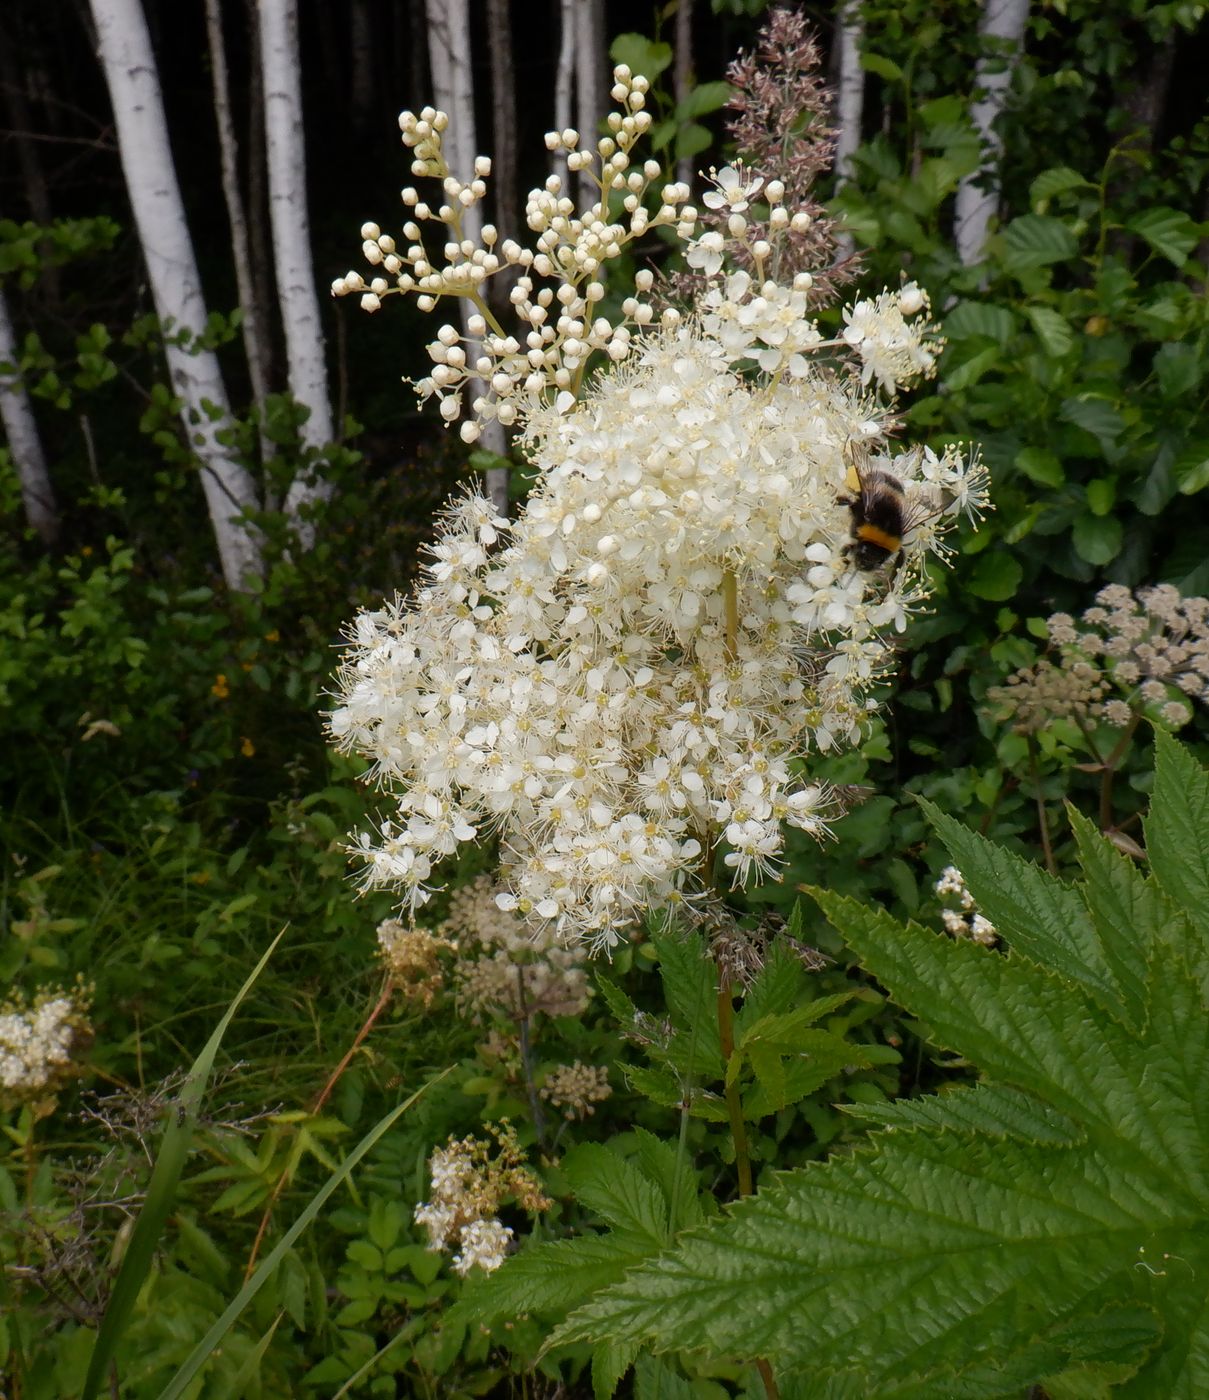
[471, 1180]
[626, 683]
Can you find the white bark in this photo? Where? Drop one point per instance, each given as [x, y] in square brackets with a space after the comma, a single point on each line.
[21, 430]
[682, 72]
[159, 215]
[305, 356]
[591, 70]
[449, 58]
[849, 103]
[564, 80]
[1001, 34]
[254, 343]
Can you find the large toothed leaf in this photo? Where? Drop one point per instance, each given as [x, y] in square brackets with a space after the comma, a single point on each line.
[1050, 1226]
[1045, 919]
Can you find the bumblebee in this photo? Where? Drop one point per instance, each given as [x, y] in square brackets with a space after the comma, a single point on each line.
[880, 516]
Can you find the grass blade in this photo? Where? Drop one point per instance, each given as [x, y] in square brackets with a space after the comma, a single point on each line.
[161, 1193]
[205, 1348]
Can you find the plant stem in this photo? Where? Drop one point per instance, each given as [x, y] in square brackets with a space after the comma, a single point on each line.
[535, 1107]
[1111, 764]
[1042, 815]
[388, 988]
[734, 1104]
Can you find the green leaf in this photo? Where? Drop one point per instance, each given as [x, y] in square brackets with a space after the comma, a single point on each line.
[546, 1278]
[880, 65]
[1054, 181]
[1178, 368]
[1044, 919]
[1036, 240]
[1170, 232]
[202, 1352]
[139, 1259]
[1041, 466]
[610, 1362]
[995, 576]
[1030, 1231]
[703, 99]
[971, 371]
[1053, 330]
[655, 1380]
[690, 990]
[1097, 538]
[971, 318]
[993, 1109]
[616, 1190]
[1094, 415]
[643, 55]
[1176, 829]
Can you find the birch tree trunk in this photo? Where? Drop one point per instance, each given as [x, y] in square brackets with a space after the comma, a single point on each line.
[253, 326]
[591, 71]
[849, 104]
[564, 79]
[504, 177]
[21, 430]
[449, 58]
[1001, 34]
[304, 349]
[159, 215]
[682, 75]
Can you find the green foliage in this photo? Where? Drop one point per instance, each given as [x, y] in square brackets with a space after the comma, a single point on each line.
[1048, 1226]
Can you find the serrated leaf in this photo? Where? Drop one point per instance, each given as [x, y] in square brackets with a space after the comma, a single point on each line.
[654, 1379]
[926, 1253]
[669, 1167]
[1036, 240]
[993, 1109]
[1053, 330]
[1177, 828]
[545, 1279]
[1168, 231]
[970, 318]
[1057, 180]
[618, 1192]
[1044, 919]
[690, 989]
[610, 1362]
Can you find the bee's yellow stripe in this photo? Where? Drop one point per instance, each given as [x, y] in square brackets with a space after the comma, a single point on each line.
[872, 535]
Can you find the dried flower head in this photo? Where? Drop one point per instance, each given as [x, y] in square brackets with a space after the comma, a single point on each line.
[471, 1179]
[781, 130]
[411, 956]
[576, 1088]
[506, 968]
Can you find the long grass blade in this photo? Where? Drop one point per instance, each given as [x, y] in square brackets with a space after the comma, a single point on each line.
[205, 1348]
[161, 1193]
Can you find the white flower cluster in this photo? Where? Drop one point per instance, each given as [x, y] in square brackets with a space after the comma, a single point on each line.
[964, 921]
[632, 678]
[556, 297]
[37, 1045]
[470, 1181]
